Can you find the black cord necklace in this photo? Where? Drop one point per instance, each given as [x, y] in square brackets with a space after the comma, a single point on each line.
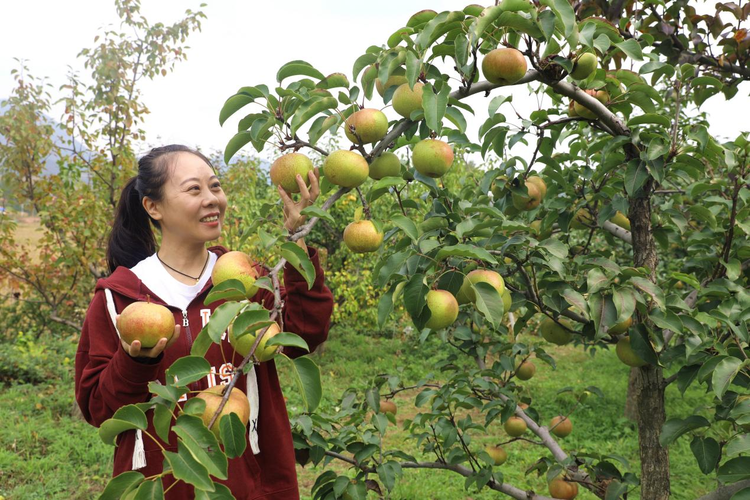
[187, 275]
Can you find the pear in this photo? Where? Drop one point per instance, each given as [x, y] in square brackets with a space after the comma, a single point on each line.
[406, 100]
[504, 66]
[362, 237]
[385, 165]
[584, 66]
[554, 333]
[346, 168]
[236, 265]
[370, 125]
[145, 322]
[285, 169]
[443, 309]
[432, 157]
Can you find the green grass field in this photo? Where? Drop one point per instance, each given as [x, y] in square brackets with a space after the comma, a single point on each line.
[46, 452]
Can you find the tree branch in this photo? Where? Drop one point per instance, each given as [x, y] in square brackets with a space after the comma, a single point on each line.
[726, 492]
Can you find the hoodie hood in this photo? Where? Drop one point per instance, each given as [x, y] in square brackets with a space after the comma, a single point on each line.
[126, 283]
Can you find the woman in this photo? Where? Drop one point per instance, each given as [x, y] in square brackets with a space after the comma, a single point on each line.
[177, 191]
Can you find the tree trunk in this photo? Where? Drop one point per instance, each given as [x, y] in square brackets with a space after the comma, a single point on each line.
[651, 416]
[631, 408]
[648, 386]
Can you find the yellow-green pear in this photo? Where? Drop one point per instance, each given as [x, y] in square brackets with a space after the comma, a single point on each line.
[561, 426]
[388, 407]
[539, 182]
[528, 201]
[346, 168]
[621, 327]
[507, 301]
[582, 111]
[554, 333]
[237, 403]
[146, 322]
[467, 294]
[525, 370]
[582, 219]
[621, 220]
[497, 454]
[244, 343]
[236, 265]
[395, 79]
[362, 237]
[563, 490]
[627, 355]
[387, 164]
[432, 157]
[584, 66]
[443, 309]
[504, 66]
[406, 100]
[515, 426]
[285, 169]
[370, 125]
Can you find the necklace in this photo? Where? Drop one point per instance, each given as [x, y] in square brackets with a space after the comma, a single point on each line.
[187, 275]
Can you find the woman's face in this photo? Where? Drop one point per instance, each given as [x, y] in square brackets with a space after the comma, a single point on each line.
[193, 203]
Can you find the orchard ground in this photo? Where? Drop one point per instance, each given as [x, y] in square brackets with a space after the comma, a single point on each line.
[46, 451]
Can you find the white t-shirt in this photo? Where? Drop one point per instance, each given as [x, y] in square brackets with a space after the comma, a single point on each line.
[155, 276]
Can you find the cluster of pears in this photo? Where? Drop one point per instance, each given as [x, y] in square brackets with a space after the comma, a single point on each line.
[443, 305]
[536, 190]
[583, 219]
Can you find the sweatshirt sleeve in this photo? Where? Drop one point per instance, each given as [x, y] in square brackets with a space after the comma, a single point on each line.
[106, 377]
[306, 312]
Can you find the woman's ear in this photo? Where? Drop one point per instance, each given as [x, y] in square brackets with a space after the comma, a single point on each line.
[152, 208]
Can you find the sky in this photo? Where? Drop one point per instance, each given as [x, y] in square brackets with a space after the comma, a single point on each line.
[241, 43]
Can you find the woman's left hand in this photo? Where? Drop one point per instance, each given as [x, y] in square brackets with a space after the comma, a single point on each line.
[292, 217]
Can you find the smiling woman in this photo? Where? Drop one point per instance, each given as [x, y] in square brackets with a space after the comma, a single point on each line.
[177, 191]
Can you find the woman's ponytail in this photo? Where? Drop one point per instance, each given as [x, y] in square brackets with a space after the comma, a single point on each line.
[132, 238]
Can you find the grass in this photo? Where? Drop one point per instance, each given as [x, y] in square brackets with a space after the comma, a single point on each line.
[46, 451]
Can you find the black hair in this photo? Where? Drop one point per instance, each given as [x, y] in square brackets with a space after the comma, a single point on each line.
[132, 239]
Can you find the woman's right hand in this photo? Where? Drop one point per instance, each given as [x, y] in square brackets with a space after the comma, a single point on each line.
[135, 350]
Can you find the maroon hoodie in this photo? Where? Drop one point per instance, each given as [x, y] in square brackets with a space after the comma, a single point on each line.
[108, 378]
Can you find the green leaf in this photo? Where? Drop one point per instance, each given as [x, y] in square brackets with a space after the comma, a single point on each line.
[413, 66]
[296, 68]
[489, 303]
[362, 62]
[666, 320]
[318, 212]
[596, 280]
[676, 427]
[163, 420]
[555, 247]
[121, 484]
[407, 226]
[221, 493]
[734, 470]
[624, 300]
[738, 445]
[707, 452]
[641, 344]
[230, 289]
[631, 48]
[221, 318]
[464, 250]
[202, 444]
[650, 118]
[150, 490]
[289, 339]
[576, 299]
[300, 260]
[236, 143]
[564, 12]
[650, 288]
[188, 469]
[603, 313]
[127, 418]
[435, 105]
[415, 293]
[253, 318]
[723, 375]
[636, 175]
[201, 343]
[310, 108]
[168, 392]
[743, 494]
[385, 307]
[234, 104]
[233, 436]
[189, 369]
[307, 375]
